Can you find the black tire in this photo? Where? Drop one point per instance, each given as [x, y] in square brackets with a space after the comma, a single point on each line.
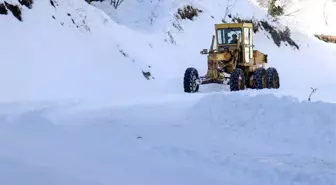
[259, 79]
[237, 80]
[273, 80]
[189, 82]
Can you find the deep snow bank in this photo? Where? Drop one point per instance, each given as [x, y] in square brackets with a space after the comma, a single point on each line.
[69, 49]
[230, 139]
[284, 120]
[314, 17]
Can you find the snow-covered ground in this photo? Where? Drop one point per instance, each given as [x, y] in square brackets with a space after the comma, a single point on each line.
[76, 109]
[315, 17]
[70, 51]
[218, 139]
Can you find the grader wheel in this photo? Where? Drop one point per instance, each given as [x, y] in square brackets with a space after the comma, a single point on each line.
[273, 80]
[260, 79]
[189, 83]
[237, 80]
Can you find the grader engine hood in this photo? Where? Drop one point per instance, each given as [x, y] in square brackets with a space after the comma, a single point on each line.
[259, 57]
[224, 56]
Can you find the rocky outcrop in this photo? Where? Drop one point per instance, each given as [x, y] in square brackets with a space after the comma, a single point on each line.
[15, 8]
[326, 38]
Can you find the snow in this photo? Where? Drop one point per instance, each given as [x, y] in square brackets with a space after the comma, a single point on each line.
[75, 110]
[89, 62]
[319, 22]
[295, 80]
[65, 62]
[215, 139]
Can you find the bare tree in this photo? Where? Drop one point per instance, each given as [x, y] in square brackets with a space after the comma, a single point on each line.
[263, 3]
[230, 4]
[324, 13]
[153, 15]
[312, 92]
[116, 3]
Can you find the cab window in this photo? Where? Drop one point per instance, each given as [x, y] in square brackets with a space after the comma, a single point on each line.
[228, 35]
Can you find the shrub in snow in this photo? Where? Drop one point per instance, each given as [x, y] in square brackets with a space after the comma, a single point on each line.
[52, 3]
[239, 20]
[3, 9]
[27, 3]
[277, 35]
[147, 75]
[188, 12]
[275, 10]
[15, 9]
[114, 3]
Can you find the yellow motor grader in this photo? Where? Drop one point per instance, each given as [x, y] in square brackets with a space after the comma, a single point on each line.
[233, 62]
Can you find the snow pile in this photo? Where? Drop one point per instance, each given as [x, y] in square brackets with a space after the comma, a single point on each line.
[230, 139]
[68, 49]
[314, 17]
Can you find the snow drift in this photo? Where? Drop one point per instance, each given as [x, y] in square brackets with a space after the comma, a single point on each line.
[230, 139]
[314, 17]
[67, 50]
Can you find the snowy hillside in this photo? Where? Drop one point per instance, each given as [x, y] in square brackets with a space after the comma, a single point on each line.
[94, 96]
[317, 17]
[68, 50]
[299, 69]
[86, 55]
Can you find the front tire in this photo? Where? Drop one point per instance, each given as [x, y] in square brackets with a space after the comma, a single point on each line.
[237, 80]
[189, 83]
[273, 80]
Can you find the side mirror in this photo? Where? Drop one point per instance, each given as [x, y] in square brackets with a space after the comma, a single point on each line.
[204, 51]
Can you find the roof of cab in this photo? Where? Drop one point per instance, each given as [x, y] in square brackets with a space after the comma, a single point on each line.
[233, 25]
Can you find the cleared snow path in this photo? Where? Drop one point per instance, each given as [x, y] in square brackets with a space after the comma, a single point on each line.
[212, 140]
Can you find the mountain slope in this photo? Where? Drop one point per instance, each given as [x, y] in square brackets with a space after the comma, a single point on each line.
[310, 66]
[106, 60]
[321, 21]
[68, 49]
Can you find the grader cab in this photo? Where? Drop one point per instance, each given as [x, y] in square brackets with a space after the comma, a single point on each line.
[233, 62]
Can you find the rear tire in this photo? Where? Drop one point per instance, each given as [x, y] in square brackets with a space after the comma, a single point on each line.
[260, 79]
[273, 80]
[189, 82]
[237, 80]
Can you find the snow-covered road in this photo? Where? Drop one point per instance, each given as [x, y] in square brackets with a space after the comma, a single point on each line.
[205, 139]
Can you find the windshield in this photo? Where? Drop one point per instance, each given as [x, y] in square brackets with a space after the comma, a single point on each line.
[228, 35]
